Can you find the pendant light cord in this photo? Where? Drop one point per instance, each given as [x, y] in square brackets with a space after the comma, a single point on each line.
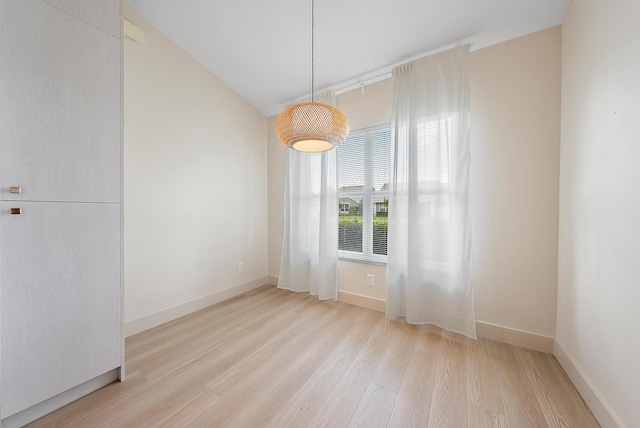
[312, 47]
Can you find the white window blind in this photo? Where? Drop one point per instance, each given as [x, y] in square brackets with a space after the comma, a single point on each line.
[363, 185]
[433, 167]
[433, 196]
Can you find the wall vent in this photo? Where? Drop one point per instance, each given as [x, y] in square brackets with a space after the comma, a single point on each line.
[133, 33]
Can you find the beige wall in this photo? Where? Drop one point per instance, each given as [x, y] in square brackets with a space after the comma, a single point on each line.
[195, 193]
[515, 139]
[275, 167]
[367, 107]
[599, 246]
[515, 148]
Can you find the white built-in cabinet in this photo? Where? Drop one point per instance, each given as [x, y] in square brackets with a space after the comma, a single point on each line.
[60, 233]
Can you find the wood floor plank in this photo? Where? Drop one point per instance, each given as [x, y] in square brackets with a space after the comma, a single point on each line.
[347, 394]
[281, 359]
[485, 406]
[183, 331]
[413, 404]
[154, 340]
[153, 410]
[559, 400]
[300, 411]
[220, 334]
[104, 401]
[279, 369]
[302, 407]
[518, 397]
[189, 413]
[375, 408]
[289, 376]
[229, 341]
[449, 401]
[391, 371]
[358, 337]
[278, 352]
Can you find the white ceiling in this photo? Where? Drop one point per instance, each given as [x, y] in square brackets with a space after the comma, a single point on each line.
[262, 48]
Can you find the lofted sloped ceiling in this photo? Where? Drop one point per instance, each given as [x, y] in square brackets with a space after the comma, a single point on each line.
[262, 48]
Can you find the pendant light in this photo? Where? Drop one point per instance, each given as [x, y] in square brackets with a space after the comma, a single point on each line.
[312, 127]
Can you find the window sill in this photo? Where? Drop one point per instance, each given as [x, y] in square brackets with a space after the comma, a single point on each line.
[361, 259]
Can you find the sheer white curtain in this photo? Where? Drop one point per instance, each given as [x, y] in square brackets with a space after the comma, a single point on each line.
[429, 238]
[310, 240]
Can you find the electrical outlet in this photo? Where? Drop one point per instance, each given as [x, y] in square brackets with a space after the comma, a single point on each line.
[370, 279]
[240, 267]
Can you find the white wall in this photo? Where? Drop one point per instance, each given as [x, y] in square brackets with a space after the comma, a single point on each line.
[515, 140]
[275, 168]
[598, 341]
[515, 149]
[195, 193]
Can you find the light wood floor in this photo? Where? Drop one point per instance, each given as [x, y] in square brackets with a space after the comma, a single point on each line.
[273, 358]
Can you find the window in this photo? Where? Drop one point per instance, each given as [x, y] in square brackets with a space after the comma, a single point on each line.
[431, 160]
[363, 191]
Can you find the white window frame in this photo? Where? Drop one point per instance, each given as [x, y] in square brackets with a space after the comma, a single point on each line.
[367, 255]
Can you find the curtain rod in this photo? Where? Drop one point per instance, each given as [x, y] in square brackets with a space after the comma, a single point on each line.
[385, 72]
[379, 74]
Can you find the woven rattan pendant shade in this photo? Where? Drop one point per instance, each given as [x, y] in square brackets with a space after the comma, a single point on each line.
[312, 127]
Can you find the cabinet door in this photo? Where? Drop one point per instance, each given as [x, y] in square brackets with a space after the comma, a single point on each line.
[60, 106]
[61, 307]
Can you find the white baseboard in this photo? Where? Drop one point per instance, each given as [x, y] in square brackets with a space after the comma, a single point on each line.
[362, 301]
[489, 331]
[596, 402]
[169, 314]
[486, 330]
[350, 298]
[515, 337]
